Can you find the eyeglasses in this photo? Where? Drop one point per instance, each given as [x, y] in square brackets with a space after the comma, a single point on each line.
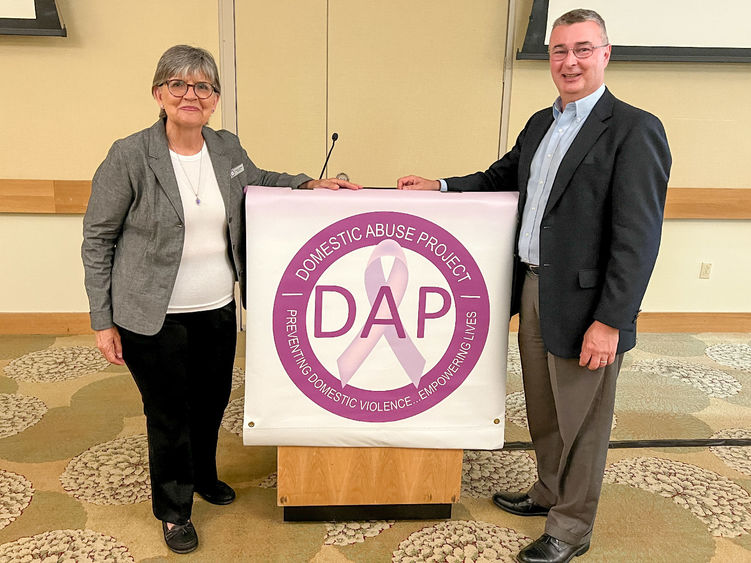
[179, 88]
[581, 51]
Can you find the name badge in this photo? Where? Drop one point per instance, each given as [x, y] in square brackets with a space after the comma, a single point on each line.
[236, 170]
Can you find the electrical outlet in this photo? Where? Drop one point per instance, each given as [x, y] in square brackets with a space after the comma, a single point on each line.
[705, 271]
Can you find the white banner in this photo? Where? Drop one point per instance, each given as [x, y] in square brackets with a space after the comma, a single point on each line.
[377, 317]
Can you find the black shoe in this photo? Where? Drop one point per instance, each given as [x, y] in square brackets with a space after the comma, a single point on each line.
[218, 493]
[519, 504]
[181, 538]
[547, 549]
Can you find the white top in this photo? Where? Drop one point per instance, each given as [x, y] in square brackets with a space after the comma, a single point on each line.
[205, 279]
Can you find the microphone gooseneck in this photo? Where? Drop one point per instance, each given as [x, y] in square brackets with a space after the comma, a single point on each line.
[334, 137]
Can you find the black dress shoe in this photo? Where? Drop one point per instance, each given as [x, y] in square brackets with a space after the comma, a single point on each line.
[547, 549]
[519, 504]
[218, 493]
[181, 538]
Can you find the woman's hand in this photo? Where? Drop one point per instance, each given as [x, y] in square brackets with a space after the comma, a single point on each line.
[108, 342]
[330, 184]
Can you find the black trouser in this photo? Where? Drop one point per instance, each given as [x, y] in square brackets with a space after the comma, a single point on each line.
[184, 374]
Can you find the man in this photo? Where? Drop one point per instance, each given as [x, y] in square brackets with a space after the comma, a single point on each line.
[592, 178]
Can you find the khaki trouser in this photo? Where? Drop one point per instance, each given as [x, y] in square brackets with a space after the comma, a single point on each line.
[570, 412]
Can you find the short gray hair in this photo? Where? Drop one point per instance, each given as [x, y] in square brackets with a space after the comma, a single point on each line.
[183, 60]
[581, 15]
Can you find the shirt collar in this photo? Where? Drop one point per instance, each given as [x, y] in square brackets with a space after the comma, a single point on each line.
[582, 107]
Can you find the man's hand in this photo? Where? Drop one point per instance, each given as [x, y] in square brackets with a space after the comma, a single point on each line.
[599, 346]
[417, 183]
[108, 342]
[330, 184]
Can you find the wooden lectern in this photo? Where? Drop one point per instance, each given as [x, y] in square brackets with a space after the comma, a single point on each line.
[326, 483]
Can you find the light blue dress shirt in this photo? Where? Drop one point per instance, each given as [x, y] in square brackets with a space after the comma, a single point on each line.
[553, 147]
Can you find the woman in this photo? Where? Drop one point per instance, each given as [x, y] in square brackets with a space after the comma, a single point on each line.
[163, 245]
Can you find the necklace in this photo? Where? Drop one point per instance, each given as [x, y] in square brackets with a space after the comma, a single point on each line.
[200, 173]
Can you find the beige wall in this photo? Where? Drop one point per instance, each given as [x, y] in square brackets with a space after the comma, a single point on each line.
[675, 285]
[74, 97]
[78, 94]
[41, 264]
[281, 83]
[414, 87]
[367, 71]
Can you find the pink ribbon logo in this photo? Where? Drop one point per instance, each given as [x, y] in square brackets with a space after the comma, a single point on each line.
[389, 293]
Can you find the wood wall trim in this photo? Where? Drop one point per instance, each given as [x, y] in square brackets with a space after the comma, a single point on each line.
[78, 323]
[72, 196]
[683, 322]
[27, 196]
[708, 203]
[45, 323]
[694, 322]
[44, 196]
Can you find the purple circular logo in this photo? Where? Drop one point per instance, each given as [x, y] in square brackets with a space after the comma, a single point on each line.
[436, 276]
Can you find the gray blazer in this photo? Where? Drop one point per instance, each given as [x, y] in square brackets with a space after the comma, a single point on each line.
[133, 230]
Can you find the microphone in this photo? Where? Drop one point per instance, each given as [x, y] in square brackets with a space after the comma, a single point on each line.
[334, 137]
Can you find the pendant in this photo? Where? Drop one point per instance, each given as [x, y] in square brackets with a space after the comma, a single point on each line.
[198, 201]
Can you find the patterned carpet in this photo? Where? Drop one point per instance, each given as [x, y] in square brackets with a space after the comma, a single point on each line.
[74, 482]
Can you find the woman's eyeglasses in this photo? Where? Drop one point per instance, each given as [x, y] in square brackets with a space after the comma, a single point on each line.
[179, 88]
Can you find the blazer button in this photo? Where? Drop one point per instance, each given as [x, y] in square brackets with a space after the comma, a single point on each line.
[229, 220]
[179, 225]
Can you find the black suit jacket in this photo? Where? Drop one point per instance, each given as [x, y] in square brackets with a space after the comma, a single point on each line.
[601, 227]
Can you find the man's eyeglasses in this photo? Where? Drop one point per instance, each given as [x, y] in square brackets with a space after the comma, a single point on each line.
[179, 88]
[581, 51]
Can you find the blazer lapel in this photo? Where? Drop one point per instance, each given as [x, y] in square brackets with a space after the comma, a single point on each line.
[593, 127]
[161, 164]
[221, 163]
